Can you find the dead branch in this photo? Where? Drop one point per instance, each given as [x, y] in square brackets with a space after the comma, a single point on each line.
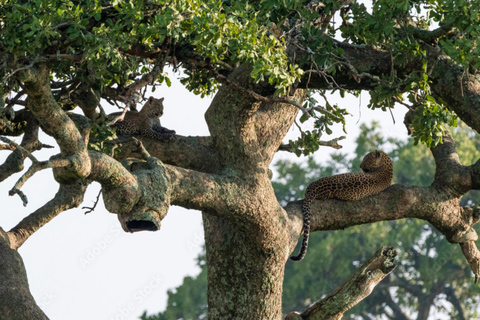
[355, 289]
[91, 209]
[330, 143]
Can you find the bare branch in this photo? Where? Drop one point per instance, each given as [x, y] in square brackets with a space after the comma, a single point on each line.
[120, 117]
[68, 196]
[24, 151]
[330, 143]
[141, 148]
[355, 289]
[34, 168]
[91, 209]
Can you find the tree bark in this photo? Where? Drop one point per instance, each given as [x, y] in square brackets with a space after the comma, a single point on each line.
[16, 301]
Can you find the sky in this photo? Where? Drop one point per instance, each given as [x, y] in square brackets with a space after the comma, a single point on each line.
[86, 267]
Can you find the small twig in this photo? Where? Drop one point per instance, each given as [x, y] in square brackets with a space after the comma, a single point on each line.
[390, 109]
[403, 103]
[43, 145]
[91, 209]
[64, 56]
[115, 146]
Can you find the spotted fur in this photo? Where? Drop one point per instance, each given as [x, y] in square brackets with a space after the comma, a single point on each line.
[146, 122]
[376, 176]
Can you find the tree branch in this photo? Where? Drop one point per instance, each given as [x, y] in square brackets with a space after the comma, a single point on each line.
[30, 143]
[195, 153]
[54, 121]
[67, 197]
[34, 168]
[330, 143]
[355, 289]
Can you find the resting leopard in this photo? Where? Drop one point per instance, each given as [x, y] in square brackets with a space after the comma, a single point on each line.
[146, 122]
[376, 176]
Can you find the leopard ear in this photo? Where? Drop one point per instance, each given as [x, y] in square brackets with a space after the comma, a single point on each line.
[161, 99]
[151, 99]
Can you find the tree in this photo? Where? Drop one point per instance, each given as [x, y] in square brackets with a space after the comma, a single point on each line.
[440, 280]
[260, 59]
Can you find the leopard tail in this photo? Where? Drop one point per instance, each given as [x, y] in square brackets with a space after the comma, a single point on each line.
[306, 230]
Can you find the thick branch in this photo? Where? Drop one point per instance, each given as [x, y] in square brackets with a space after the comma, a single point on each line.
[355, 289]
[54, 121]
[472, 254]
[397, 202]
[196, 153]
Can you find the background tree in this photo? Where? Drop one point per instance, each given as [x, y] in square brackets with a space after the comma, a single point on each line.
[260, 59]
[431, 277]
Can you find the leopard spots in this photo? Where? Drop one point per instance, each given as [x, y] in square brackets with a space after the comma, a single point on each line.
[376, 176]
[146, 122]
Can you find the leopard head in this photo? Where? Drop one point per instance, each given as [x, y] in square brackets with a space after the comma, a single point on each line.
[376, 161]
[153, 108]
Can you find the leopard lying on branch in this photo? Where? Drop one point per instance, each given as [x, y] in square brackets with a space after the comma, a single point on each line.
[146, 122]
[376, 176]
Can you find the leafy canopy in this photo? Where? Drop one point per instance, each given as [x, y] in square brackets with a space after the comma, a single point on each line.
[111, 44]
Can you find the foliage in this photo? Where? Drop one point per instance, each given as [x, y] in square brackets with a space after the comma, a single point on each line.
[95, 42]
[100, 136]
[426, 259]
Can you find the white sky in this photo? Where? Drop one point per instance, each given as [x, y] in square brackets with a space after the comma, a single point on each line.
[85, 267]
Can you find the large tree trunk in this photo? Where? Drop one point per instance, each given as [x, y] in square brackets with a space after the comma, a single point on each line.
[244, 279]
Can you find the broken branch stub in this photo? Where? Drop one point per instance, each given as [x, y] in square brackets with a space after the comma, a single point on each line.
[154, 202]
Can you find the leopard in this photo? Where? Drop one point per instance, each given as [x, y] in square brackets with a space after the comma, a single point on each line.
[376, 176]
[145, 122]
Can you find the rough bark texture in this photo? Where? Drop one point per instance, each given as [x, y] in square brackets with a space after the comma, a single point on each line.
[355, 289]
[16, 301]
